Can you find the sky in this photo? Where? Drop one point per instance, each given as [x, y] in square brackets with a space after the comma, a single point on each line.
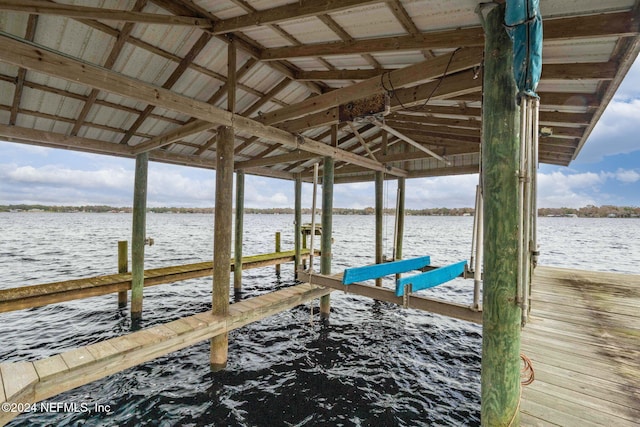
[606, 172]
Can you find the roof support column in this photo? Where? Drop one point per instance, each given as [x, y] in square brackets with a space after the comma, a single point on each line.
[297, 224]
[379, 186]
[327, 225]
[500, 389]
[138, 234]
[400, 221]
[222, 241]
[237, 251]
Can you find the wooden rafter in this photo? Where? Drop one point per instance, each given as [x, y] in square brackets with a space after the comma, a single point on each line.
[612, 24]
[451, 86]
[407, 23]
[39, 58]
[301, 9]
[411, 75]
[32, 23]
[173, 78]
[111, 60]
[251, 47]
[82, 12]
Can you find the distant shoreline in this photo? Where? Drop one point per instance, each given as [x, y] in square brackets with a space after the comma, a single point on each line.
[584, 212]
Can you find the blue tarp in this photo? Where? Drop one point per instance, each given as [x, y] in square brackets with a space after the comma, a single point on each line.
[524, 25]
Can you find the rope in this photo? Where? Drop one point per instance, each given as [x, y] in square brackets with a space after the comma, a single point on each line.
[530, 376]
[527, 370]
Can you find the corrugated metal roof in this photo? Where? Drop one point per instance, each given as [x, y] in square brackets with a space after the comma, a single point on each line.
[153, 52]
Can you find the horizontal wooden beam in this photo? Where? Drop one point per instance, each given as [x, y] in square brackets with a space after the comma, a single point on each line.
[315, 75]
[39, 58]
[444, 308]
[458, 84]
[295, 156]
[573, 71]
[38, 7]
[409, 76]
[623, 24]
[50, 293]
[190, 129]
[300, 9]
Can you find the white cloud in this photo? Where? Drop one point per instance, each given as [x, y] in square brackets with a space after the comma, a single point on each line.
[573, 190]
[627, 176]
[616, 132]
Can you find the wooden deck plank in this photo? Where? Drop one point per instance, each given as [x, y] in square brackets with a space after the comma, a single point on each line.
[77, 357]
[50, 366]
[581, 342]
[17, 377]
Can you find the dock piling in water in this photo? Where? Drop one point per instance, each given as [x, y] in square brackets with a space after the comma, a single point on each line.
[379, 188]
[123, 267]
[237, 251]
[327, 225]
[297, 225]
[277, 247]
[138, 234]
[222, 242]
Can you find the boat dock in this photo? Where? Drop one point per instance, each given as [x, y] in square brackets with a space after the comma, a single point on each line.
[583, 338]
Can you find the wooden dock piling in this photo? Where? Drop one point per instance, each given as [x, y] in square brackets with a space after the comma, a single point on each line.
[123, 267]
[327, 225]
[277, 248]
[297, 224]
[379, 211]
[222, 242]
[500, 389]
[138, 234]
[237, 251]
[397, 254]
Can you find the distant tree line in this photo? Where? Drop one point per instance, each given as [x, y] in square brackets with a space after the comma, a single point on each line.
[589, 211]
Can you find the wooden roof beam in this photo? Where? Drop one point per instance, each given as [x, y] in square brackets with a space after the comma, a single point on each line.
[573, 71]
[609, 24]
[30, 32]
[40, 58]
[300, 9]
[452, 85]
[409, 76]
[40, 7]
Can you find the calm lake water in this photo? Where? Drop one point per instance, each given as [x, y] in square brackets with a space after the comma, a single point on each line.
[375, 364]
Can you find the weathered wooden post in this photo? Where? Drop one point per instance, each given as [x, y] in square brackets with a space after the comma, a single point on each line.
[297, 224]
[138, 234]
[327, 225]
[223, 219]
[278, 240]
[222, 242]
[400, 220]
[379, 187]
[237, 251]
[501, 316]
[123, 267]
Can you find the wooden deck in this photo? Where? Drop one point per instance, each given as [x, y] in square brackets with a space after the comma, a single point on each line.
[584, 341]
[28, 382]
